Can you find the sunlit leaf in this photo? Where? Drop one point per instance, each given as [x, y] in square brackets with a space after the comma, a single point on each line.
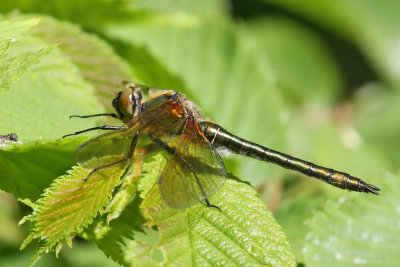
[112, 230]
[12, 67]
[242, 233]
[65, 76]
[68, 206]
[357, 230]
[97, 63]
[12, 29]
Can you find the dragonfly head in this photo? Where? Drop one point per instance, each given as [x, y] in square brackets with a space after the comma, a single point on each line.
[128, 103]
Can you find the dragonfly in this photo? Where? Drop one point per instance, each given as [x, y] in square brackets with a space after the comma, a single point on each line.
[194, 170]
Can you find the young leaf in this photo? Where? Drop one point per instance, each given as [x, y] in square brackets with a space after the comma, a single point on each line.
[113, 237]
[9, 30]
[68, 206]
[121, 217]
[12, 67]
[242, 233]
[359, 230]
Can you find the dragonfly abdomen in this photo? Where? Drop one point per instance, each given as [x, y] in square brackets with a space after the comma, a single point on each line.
[220, 137]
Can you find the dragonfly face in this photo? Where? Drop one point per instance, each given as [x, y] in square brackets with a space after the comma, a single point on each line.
[128, 103]
[194, 170]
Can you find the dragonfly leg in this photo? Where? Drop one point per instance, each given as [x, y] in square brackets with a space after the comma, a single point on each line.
[105, 127]
[128, 157]
[103, 167]
[95, 115]
[212, 206]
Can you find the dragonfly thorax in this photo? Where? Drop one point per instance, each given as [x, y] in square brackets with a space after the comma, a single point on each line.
[190, 108]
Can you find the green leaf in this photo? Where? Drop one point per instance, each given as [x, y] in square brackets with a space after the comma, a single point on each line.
[375, 107]
[122, 217]
[12, 29]
[24, 111]
[370, 25]
[68, 206]
[242, 233]
[97, 63]
[147, 69]
[94, 14]
[66, 76]
[357, 230]
[26, 170]
[206, 8]
[12, 67]
[89, 13]
[139, 253]
[303, 64]
[115, 241]
[293, 213]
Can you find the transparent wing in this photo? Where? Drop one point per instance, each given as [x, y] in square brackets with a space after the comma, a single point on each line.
[116, 144]
[157, 119]
[194, 172]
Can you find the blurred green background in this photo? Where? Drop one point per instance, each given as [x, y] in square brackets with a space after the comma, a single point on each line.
[319, 80]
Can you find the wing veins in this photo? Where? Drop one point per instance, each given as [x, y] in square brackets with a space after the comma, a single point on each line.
[182, 157]
[132, 128]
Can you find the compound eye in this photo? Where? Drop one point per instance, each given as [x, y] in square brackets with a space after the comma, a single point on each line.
[126, 101]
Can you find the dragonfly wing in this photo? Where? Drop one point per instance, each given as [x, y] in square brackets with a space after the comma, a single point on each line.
[193, 173]
[114, 145]
[117, 144]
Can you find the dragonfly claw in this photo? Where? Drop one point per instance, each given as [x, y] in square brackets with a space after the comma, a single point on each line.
[369, 188]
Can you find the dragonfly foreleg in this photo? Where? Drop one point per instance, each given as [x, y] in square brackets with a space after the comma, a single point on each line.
[95, 115]
[105, 127]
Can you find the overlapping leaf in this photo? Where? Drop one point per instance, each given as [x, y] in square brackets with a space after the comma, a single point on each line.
[68, 206]
[242, 233]
[66, 76]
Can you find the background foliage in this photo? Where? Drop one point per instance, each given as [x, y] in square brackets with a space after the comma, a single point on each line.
[316, 79]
